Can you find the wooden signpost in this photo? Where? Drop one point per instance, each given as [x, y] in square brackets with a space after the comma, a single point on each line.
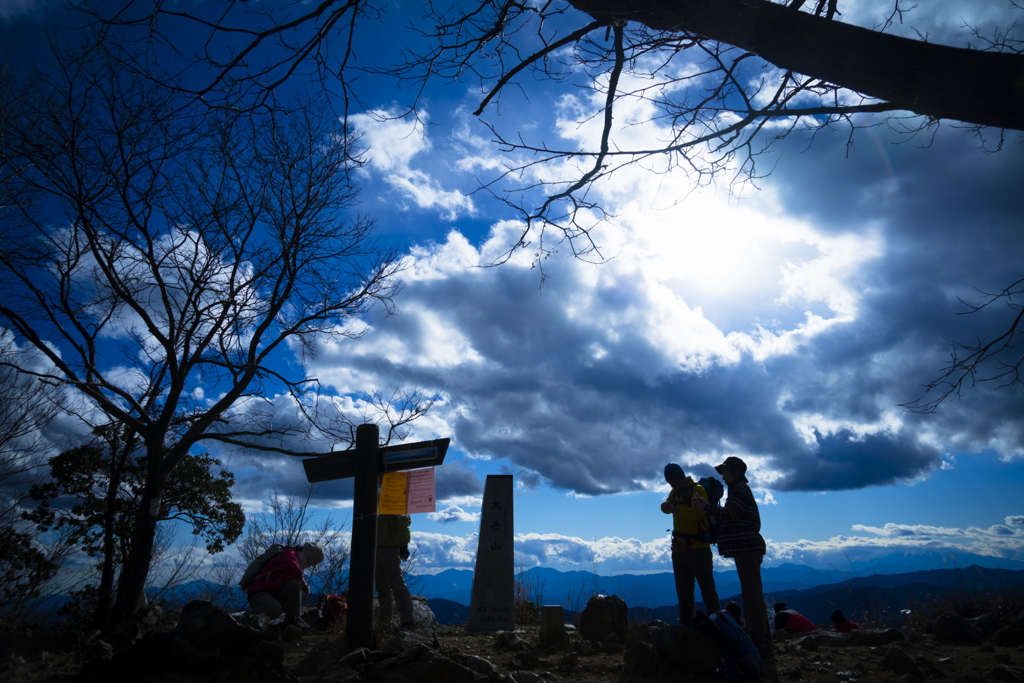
[364, 464]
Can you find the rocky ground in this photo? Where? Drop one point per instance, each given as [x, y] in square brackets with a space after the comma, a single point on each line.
[204, 643]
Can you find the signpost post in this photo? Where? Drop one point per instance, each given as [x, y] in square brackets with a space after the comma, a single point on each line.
[365, 463]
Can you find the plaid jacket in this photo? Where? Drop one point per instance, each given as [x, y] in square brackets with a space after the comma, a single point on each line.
[741, 523]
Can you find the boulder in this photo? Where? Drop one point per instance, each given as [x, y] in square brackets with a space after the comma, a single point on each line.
[899, 662]
[605, 614]
[207, 645]
[950, 628]
[1010, 636]
[681, 648]
[875, 637]
[417, 664]
[640, 661]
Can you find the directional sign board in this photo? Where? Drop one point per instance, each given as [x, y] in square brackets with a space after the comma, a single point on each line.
[406, 456]
[411, 456]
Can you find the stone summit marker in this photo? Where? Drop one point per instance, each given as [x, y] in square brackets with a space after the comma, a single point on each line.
[492, 606]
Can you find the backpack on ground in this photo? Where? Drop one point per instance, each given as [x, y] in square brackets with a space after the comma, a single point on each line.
[254, 568]
[739, 660]
[715, 490]
[331, 609]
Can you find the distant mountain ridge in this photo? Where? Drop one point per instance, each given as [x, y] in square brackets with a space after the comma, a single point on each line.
[658, 589]
[883, 599]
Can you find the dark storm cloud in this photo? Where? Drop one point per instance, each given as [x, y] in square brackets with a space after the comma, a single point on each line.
[454, 480]
[577, 383]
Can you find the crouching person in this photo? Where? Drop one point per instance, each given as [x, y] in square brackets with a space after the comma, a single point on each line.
[278, 587]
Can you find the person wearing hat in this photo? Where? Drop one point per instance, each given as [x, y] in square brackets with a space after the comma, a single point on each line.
[739, 537]
[279, 586]
[691, 556]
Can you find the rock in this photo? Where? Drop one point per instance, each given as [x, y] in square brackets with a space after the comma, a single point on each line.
[818, 639]
[871, 637]
[569, 662]
[507, 640]
[524, 677]
[950, 628]
[207, 645]
[605, 614]
[1003, 675]
[611, 643]
[640, 661]
[525, 660]
[420, 634]
[898, 661]
[681, 648]
[422, 615]
[1009, 637]
[479, 665]
[987, 624]
[325, 654]
[418, 664]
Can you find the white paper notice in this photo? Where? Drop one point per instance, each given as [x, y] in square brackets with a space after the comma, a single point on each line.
[421, 491]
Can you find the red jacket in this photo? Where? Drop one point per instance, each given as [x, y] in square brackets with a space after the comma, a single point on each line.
[281, 569]
[847, 626]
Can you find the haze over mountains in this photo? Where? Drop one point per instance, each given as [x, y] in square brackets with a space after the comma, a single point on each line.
[658, 589]
[881, 599]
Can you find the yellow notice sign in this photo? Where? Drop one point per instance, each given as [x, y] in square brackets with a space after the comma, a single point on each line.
[393, 495]
[406, 493]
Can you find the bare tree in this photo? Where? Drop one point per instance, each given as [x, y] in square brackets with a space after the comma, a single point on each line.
[766, 68]
[722, 81]
[998, 360]
[172, 253]
[26, 407]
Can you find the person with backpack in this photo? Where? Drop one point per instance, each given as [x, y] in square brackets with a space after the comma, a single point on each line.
[394, 532]
[790, 620]
[739, 538]
[691, 553]
[277, 586]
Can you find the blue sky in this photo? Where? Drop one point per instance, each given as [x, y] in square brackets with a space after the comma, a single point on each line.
[781, 321]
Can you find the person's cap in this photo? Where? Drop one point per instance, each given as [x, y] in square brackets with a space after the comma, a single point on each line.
[838, 616]
[733, 464]
[314, 553]
[779, 606]
[673, 471]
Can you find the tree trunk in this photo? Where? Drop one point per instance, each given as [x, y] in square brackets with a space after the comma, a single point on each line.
[938, 81]
[105, 593]
[135, 570]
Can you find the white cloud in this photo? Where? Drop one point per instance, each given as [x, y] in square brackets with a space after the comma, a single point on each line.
[12, 8]
[395, 146]
[453, 513]
[891, 530]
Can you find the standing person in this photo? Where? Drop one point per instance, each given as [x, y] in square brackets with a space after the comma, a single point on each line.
[739, 537]
[394, 532]
[279, 585]
[691, 557]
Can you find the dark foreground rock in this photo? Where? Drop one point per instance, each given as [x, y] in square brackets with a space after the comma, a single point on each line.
[207, 644]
